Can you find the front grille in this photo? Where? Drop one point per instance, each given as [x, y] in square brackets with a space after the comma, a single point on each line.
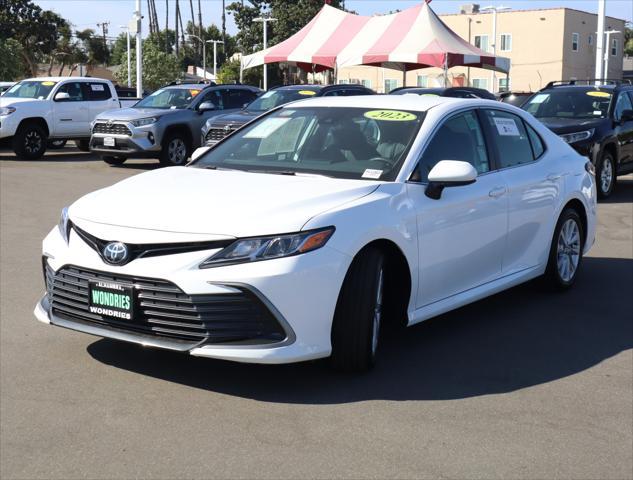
[214, 135]
[162, 310]
[111, 128]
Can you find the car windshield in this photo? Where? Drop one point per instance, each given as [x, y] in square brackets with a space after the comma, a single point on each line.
[169, 98]
[275, 98]
[354, 143]
[35, 89]
[569, 104]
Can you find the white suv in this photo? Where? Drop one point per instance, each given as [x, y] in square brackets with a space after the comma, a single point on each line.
[38, 110]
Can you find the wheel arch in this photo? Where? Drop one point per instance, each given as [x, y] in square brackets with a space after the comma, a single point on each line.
[579, 207]
[40, 121]
[178, 128]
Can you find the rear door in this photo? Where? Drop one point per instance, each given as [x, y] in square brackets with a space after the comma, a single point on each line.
[535, 184]
[72, 115]
[99, 97]
[624, 129]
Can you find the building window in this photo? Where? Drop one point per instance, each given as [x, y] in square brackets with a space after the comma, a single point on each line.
[574, 42]
[366, 83]
[614, 47]
[343, 81]
[481, 42]
[390, 84]
[506, 42]
[423, 81]
[504, 85]
[480, 83]
[590, 40]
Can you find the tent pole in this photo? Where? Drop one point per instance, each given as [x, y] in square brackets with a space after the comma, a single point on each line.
[404, 74]
[241, 72]
[446, 72]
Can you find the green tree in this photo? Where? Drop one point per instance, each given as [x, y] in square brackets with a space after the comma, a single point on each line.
[119, 49]
[11, 66]
[628, 41]
[159, 68]
[230, 73]
[93, 46]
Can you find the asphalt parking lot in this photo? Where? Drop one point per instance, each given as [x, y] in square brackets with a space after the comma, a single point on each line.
[525, 384]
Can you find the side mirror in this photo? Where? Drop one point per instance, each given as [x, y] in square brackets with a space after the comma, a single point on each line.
[198, 152]
[449, 173]
[627, 116]
[206, 107]
[62, 97]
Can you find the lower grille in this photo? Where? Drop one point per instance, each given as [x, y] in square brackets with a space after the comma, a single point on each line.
[214, 135]
[111, 128]
[163, 310]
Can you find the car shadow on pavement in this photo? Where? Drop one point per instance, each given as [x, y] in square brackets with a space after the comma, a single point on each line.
[68, 154]
[623, 192]
[523, 337]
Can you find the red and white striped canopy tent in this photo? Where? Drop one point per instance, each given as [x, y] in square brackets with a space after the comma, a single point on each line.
[411, 39]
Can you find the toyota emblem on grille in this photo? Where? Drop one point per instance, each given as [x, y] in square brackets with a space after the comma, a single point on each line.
[109, 124]
[227, 128]
[115, 252]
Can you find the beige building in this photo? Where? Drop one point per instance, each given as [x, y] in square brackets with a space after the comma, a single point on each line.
[543, 45]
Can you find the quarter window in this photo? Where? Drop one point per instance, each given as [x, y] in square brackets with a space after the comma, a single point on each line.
[623, 103]
[511, 138]
[537, 144]
[459, 138]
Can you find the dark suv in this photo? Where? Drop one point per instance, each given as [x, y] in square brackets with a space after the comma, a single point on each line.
[597, 121]
[219, 127]
[454, 92]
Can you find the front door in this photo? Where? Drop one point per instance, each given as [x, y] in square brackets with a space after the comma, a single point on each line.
[72, 114]
[624, 130]
[461, 236]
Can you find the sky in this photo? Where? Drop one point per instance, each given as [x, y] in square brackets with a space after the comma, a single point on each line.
[87, 13]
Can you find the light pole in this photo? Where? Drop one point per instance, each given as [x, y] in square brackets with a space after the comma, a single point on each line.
[607, 51]
[494, 11]
[129, 60]
[265, 21]
[139, 51]
[215, 56]
[204, 54]
[600, 42]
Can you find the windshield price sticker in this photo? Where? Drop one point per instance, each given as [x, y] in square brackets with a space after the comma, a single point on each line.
[390, 115]
[372, 173]
[506, 127]
[194, 92]
[48, 84]
[306, 92]
[96, 87]
[599, 94]
[266, 128]
[539, 98]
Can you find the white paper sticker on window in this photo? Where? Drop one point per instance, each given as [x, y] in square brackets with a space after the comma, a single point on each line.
[96, 87]
[372, 173]
[266, 128]
[540, 98]
[267, 94]
[506, 126]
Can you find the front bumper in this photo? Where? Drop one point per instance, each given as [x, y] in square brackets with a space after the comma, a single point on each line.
[140, 142]
[300, 292]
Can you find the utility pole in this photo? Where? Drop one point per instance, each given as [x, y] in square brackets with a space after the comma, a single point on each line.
[199, 20]
[215, 57]
[104, 29]
[600, 42]
[223, 26]
[139, 51]
[177, 13]
[167, 26]
[264, 21]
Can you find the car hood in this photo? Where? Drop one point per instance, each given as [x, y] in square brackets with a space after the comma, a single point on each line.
[568, 125]
[10, 101]
[216, 202]
[237, 118]
[126, 114]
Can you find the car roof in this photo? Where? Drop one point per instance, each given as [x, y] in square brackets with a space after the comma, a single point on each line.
[580, 88]
[386, 102]
[299, 87]
[59, 79]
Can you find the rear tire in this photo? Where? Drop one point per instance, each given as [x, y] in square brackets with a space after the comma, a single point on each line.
[83, 145]
[358, 315]
[176, 150]
[565, 256]
[29, 143]
[114, 160]
[605, 175]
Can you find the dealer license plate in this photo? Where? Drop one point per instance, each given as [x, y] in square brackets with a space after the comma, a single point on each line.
[109, 142]
[111, 299]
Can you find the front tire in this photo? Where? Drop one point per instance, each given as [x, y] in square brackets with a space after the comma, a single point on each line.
[358, 315]
[114, 160]
[565, 256]
[605, 175]
[176, 150]
[29, 143]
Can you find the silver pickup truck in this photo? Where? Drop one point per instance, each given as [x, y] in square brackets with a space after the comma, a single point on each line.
[38, 112]
[166, 124]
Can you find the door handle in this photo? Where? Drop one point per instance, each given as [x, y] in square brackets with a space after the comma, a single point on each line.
[497, 192]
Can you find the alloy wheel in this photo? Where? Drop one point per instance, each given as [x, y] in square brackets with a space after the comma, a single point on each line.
[568, 251]
[32, 142]
[177, 151]
[606, 175]
[377, 314]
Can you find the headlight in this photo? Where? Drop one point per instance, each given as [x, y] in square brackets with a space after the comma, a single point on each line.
[6, 110]
[141, 122]
[265, 248]
[64, 224]
[577, 136]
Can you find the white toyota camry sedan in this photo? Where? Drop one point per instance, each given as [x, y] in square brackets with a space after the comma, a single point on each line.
[299, 235]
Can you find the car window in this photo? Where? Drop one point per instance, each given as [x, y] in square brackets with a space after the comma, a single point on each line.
[236, 98]
[215, 97]
[622, 103]
[510, 138]
[39, 89]
[535, 141]
[569, 104]
[74, 91]
[459, 138]
[97, 91]
[170, 98]
[332, 93]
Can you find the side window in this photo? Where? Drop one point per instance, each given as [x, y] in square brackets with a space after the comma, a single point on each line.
[74, 91]
[537, 144]
[459, 138]
[623, 103]
[97, 91]
[236, 98]
[332, 93]
[214, 97]
[510, 137]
